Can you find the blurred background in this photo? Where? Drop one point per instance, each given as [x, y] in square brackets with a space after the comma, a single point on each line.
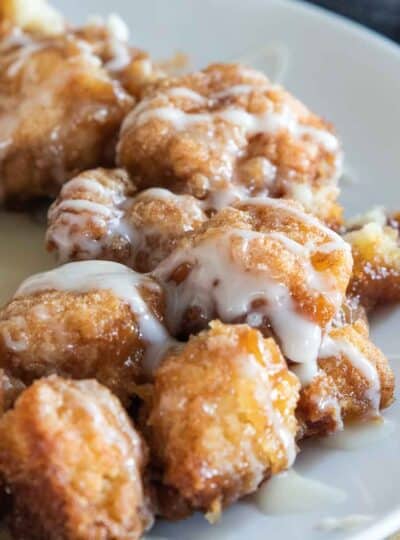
[380, 15]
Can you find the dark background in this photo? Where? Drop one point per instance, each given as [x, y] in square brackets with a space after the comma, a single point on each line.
[380, 15]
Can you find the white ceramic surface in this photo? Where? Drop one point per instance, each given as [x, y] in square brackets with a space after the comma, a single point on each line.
[352, 77]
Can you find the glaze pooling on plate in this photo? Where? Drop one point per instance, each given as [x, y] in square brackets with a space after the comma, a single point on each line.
[347, 523]
[291, 493]
[361, 435]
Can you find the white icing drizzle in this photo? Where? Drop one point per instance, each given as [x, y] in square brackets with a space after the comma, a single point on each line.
[22, 55]
[273, 122]
[318, 281]
[219, 286]
[84, 205]
[187, 93]
[42, 95]
[290, 493]
[71, 218]
[338, 346]
[19, 46]
[15, 38]
[118, 33]
[346, 523]
[360, 434]
[117, 27]
[338, 242]
[91, 186]
[69, 221]
[251, 124]
[124, 283]
[161, 194]
[178, 118]
[213, 277]
[227, 196]
[240, 90]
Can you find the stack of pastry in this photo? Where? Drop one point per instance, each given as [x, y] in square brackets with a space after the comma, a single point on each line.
[210, 307]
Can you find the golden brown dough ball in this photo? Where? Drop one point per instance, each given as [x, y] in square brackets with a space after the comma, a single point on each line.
[73, 463]
[222, 416]
[83, 320]
[374, 240]
[60, 113]
[265, 262]
[226, 133]
[354, 383]
[131, 66]
[160, 220]
[97, 216]
[36, 16]
[360, 370]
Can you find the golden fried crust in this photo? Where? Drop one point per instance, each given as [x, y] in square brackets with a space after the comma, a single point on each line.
[78, 335]
[336, 262]
[376, 272]
[349, 377]
[355, 381]
[87, 220]
[256, 238]
[73, 463]
[32, 15]
[161, 219]
[60, 114]
[131, 66]
[222, 415]
[213, 134]
[97, 217]
[318, 411]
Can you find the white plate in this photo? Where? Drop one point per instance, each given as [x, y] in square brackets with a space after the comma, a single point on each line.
[352, 77]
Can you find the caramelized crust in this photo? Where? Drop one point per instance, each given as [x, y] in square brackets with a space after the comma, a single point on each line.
[78, 335]
[97, 216]
[355, 390]
[132, 67]
[35, 16]
[226, 133]
[60, 113]
[87, 219]
[161, 219]
[222, 416]
[355, 382]
[258, 248]
[73, 463]
[376, 253]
